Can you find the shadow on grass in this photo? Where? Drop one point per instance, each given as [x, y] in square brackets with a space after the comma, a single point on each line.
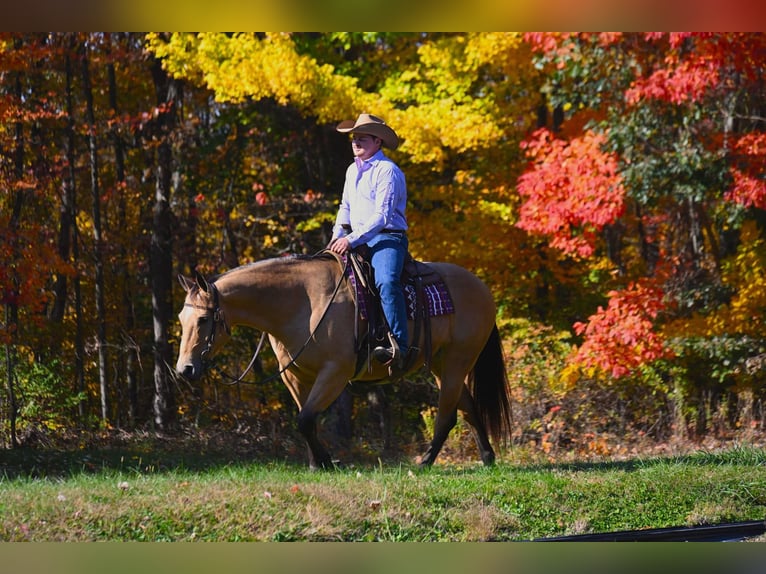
[141, 453]
[148, 453]
[736, 454]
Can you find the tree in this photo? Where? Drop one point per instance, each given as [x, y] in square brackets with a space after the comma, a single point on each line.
[676, 116]
[27, 174]
[98, 244]
[161, 257]
[461, 101]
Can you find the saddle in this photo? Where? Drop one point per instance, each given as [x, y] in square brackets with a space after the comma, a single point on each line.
[426, 295]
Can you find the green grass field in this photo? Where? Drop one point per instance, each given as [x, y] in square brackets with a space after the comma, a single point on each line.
[50, 496]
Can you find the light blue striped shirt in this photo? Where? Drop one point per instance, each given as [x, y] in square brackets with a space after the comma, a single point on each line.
[374, 198]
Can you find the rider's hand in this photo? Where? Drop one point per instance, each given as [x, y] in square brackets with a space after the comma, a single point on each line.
[341, 246]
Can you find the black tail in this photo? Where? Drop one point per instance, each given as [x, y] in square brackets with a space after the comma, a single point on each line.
[491, 392]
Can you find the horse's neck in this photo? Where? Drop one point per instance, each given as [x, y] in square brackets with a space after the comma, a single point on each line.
[263, 295]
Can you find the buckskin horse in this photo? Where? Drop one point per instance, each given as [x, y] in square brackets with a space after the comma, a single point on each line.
[308, 307]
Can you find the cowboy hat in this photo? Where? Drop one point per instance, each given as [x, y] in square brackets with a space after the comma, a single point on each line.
[373, 125]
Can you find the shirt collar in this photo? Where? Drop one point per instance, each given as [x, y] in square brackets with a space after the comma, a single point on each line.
[365, 164]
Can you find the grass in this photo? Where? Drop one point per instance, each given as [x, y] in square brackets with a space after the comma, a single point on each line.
[166, 496]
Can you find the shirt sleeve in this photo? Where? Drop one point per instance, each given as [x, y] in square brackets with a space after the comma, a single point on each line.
[344, 211]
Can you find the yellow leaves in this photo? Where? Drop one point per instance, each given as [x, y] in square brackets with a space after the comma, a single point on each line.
[241, 66]
[502, 211]
[469, 52]
[745, 273]
[505, 50]
[176, 51]
[430, 127]
[431, 102]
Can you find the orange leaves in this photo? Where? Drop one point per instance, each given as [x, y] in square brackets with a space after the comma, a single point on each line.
[621, 337]
[27, 259]
[571, 192]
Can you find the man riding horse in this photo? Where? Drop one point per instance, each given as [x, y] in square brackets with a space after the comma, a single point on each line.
[309, 310]
[372, 213]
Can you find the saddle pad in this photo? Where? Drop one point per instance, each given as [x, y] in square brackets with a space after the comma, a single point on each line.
[437, 295]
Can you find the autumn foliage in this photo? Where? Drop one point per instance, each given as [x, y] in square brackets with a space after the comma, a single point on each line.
[571, 192]
[664, 98]
[749, 171]
[622, 337]
[610, 188]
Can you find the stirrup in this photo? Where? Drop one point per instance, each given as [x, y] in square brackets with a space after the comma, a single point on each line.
[388, 355]
[385, 355]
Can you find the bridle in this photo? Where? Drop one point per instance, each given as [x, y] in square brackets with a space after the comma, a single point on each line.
[219, 318]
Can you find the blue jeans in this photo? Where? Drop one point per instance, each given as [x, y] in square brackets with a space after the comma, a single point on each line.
[387, 253]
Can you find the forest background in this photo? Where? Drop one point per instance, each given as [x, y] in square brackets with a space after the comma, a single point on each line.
[608, 187]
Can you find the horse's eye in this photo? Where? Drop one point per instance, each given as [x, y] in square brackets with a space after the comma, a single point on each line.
[202, 320]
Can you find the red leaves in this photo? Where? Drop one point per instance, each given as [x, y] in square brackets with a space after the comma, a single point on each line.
[688, 81]
[572, 191]
[621, 337]
[749, 174]
[560, 44]
[697, 64]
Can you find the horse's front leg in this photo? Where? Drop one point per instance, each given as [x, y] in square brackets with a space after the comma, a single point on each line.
[313, 393]
[326, 388]
[319, 458]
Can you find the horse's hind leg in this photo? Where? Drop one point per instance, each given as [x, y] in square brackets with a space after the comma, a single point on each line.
[446, 417]
[444, 424]
[471, 416]
[442, 428]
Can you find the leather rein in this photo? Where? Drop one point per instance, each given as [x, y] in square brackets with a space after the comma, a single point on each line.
[218, 318]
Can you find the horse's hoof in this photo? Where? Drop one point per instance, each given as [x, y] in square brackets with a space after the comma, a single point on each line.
[424, 462]
[488, 459]
[325, 465]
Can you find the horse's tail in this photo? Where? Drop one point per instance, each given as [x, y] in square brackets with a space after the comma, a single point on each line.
[491, 392]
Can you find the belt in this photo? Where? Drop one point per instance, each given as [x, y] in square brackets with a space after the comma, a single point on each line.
[393, 231]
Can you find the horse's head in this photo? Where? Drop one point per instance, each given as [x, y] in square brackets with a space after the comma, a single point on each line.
[203, 327]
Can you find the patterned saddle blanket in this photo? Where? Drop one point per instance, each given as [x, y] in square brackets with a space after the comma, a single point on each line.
[436, 293]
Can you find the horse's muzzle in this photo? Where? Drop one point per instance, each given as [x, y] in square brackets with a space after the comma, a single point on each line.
[189, 371]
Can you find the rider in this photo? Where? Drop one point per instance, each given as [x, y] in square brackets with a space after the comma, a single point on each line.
[372, 212]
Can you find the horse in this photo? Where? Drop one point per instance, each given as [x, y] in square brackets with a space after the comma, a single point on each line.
[307, 307]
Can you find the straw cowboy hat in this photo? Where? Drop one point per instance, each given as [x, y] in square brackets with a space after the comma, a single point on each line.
[373, 125]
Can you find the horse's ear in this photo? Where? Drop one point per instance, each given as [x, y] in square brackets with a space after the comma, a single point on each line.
[201, 281]
[185, 282]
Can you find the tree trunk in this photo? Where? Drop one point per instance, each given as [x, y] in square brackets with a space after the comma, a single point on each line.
[161, 257]
[67, 198]
[98, 262]
[68, 238]
[123, 272]
[11, 308]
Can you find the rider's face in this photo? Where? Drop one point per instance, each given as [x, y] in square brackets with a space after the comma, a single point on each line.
[365, 146]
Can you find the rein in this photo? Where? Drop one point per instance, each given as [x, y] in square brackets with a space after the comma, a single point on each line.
[218, 317]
